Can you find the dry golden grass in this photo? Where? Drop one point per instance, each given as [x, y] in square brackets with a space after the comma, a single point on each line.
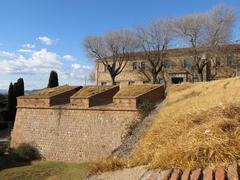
[135, 90]
[109, 164]
[198, 127]
[52, 91]
[91, 90]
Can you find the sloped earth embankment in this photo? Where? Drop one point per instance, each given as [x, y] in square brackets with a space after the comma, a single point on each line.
[130, 141]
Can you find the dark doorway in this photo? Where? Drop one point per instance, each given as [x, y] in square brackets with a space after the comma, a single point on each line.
[177, 80]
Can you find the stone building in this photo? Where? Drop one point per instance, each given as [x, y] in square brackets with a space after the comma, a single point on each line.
[178, 65]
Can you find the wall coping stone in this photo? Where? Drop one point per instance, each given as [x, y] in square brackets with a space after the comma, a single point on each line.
[137, 96]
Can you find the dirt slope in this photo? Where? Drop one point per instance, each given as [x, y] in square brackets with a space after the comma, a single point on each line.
[199, 126]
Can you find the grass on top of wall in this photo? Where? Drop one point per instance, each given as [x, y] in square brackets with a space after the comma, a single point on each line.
[198, 127]
[52, 91]
[91, 90]
[135, 90]
[47, 170]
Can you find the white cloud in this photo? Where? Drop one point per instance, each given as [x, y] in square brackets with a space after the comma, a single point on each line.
[80, 72]
[76, 66]
[46, 40]
[25, 50]
[29, 46]
[7, 55]
[35, 67]
[68, 57]
[39, 62]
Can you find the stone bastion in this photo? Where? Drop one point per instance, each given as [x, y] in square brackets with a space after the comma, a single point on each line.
[70, 123]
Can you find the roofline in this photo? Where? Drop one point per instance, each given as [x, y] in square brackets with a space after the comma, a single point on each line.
[187, 50]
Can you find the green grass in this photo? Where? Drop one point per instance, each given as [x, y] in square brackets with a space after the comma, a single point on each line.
[46, 170]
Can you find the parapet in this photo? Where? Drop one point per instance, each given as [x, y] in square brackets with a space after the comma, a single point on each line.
[90, 96]
[130, 97]
[48, 97]
[94, 97]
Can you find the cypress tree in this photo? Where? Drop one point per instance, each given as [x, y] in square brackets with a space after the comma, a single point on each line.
[15, 95]
[15, 90]
[53, 80]
[20, 87]
[11, 102]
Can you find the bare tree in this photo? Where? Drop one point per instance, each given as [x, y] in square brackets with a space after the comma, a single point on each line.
[154, 41]
[190, 29]
[92, 76]
[113, 50]
[217, 32]
[205, 34]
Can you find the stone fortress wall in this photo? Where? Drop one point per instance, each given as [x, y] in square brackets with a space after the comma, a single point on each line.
[78, 126]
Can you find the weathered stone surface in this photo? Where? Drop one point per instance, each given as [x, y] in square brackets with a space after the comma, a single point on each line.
[166, 174]
[186, 174]
[176, 174]
[153, 176]
[233, 172]
[220, 174]
[71, 135]
[208, 173]
[196, 175]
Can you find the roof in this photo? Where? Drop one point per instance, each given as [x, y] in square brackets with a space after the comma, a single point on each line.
[88, 91]
[188, 51]
[135, 90]
[49, 92]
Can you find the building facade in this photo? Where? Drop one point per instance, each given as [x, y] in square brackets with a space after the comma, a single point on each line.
[178, 67]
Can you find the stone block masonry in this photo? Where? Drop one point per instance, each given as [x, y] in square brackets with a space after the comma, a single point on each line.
[66, 129]
[71, 134]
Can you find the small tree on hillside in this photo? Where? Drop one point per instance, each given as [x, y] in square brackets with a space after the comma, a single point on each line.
[112, 50]
[53, 80]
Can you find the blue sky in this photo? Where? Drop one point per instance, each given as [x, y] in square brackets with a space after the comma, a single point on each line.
[39, 35]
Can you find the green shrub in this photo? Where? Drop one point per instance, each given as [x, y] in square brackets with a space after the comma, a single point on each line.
[145, 109]
[131, 128]
[25, 152]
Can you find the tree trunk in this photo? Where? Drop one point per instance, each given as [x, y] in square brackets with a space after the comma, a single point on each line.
[200, 76]
[154, 76]
[208, 71]
[164, 80]
[113, 79]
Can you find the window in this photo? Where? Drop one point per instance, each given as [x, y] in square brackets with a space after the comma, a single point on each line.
[143, 66]
[187, 63]
[103, 83]
[167, 63]
[218, 61]
[105, 68]
[131, 82]
[134, 66]
[146, 81]
[229, 60]
[161, 81]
